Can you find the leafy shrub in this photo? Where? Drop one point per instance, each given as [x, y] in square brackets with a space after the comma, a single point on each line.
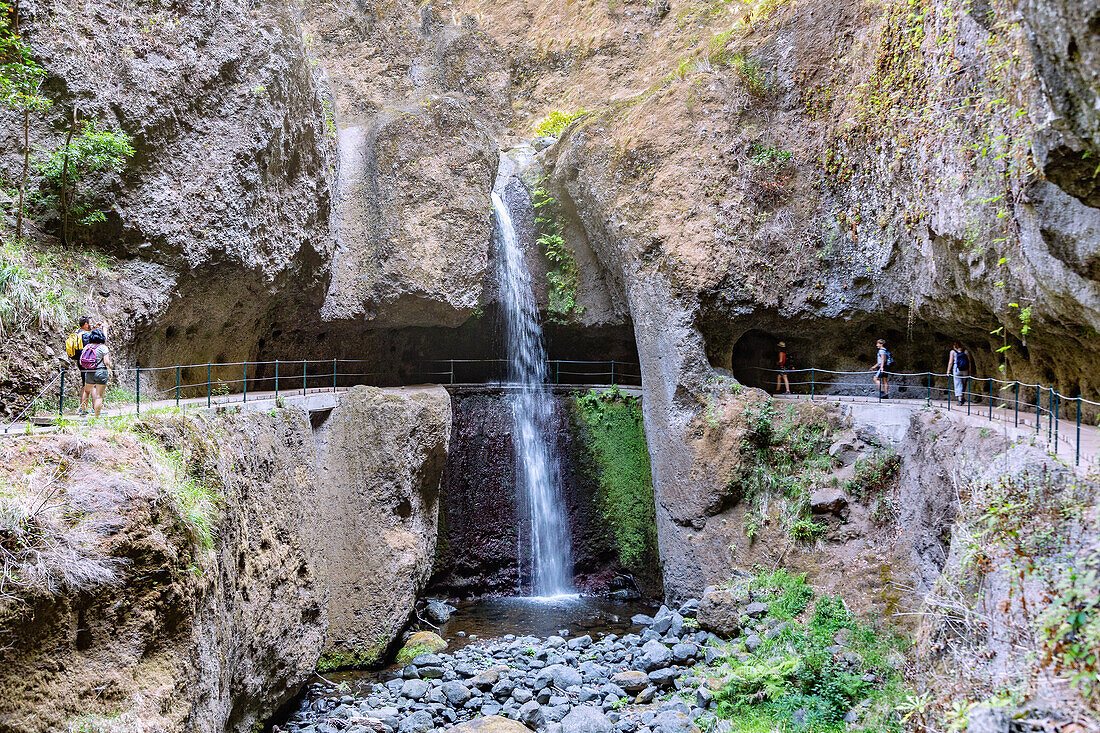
[87, 149]
[30, 301]
[563, 276]
[874, 474]
[787, 595]
[795, 682]
[784, 458]
[556, 122]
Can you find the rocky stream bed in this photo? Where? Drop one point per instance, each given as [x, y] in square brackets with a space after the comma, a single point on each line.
[660, 678]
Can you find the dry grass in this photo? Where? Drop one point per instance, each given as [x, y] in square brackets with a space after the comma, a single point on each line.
[52, 528]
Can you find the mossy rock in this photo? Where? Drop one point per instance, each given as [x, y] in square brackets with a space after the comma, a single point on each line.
[422, 642]
[333, 659]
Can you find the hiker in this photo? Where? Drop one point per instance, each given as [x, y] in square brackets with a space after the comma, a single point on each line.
[784, 366]
[74, 345]
[884, 360]
[958, 366]
[95, 360]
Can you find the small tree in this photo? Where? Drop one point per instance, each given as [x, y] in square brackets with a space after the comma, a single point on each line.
[64, 168]
[20, 81]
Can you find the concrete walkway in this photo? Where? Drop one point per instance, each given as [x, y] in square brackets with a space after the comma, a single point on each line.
[894, 416]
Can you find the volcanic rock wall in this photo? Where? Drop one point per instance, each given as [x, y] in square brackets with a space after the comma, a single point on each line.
[312, 546]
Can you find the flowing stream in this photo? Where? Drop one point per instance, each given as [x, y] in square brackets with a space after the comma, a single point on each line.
[538, 467]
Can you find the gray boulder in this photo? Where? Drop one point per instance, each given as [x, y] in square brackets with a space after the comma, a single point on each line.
[420, 721]
[988, 719]
[438, 612]
[662, 621]
[720, 612]
[456, 693]
[415, 689]
[673, 721]
[559, 676]
[654, 656]
[586, 719]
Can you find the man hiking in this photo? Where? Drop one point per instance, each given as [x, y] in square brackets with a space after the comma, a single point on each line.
[74, 346]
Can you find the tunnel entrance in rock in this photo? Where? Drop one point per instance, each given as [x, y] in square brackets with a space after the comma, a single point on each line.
[472, 353]
[841, 352]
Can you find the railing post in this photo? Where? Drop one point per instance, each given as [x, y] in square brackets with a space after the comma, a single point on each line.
[991, 399]
[177, 387]
[966, 391]
[276, 379]
[137, 387]
[334, 376]
[929, 389]
[452, 371]
[305, 366]
[1050, 422]
[557, 372]
[612, 372]
[61, 396]
[208, 384]
[1057, 410]
[813, 382]
[244, 384]
[1038, 402]
[1016, 405]
[1077, 458]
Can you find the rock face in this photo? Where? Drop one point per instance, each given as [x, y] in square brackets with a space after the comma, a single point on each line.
[162, 604]
[380, 456]
[483, 518]
[414, 217]
[158, 636]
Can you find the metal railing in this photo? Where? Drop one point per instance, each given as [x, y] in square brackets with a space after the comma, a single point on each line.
[1037, 403]
[558, 371]
[218, 383]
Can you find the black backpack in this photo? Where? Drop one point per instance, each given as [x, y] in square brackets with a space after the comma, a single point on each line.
[962, 361]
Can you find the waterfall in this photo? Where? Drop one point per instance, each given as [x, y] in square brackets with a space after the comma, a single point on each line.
[537, 465]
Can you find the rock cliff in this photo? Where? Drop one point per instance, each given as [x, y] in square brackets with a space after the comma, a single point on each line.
[187, 574]
[379, 457]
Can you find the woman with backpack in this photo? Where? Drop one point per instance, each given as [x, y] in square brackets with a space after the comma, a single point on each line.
[958, 366]
[95, 360]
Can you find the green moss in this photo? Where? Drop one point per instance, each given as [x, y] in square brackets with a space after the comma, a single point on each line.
[625, 484]
[334, 659]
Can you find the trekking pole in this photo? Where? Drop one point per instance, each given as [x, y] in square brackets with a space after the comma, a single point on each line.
[244, 384]
[137, 387]
[177, 387]
[208, 384]
[61, 396]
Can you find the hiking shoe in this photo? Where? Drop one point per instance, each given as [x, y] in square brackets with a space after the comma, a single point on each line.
[83, 413]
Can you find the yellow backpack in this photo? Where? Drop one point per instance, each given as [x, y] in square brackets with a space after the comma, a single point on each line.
[74, 344]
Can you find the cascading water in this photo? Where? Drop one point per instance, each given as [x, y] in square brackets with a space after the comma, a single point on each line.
[537, 465]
